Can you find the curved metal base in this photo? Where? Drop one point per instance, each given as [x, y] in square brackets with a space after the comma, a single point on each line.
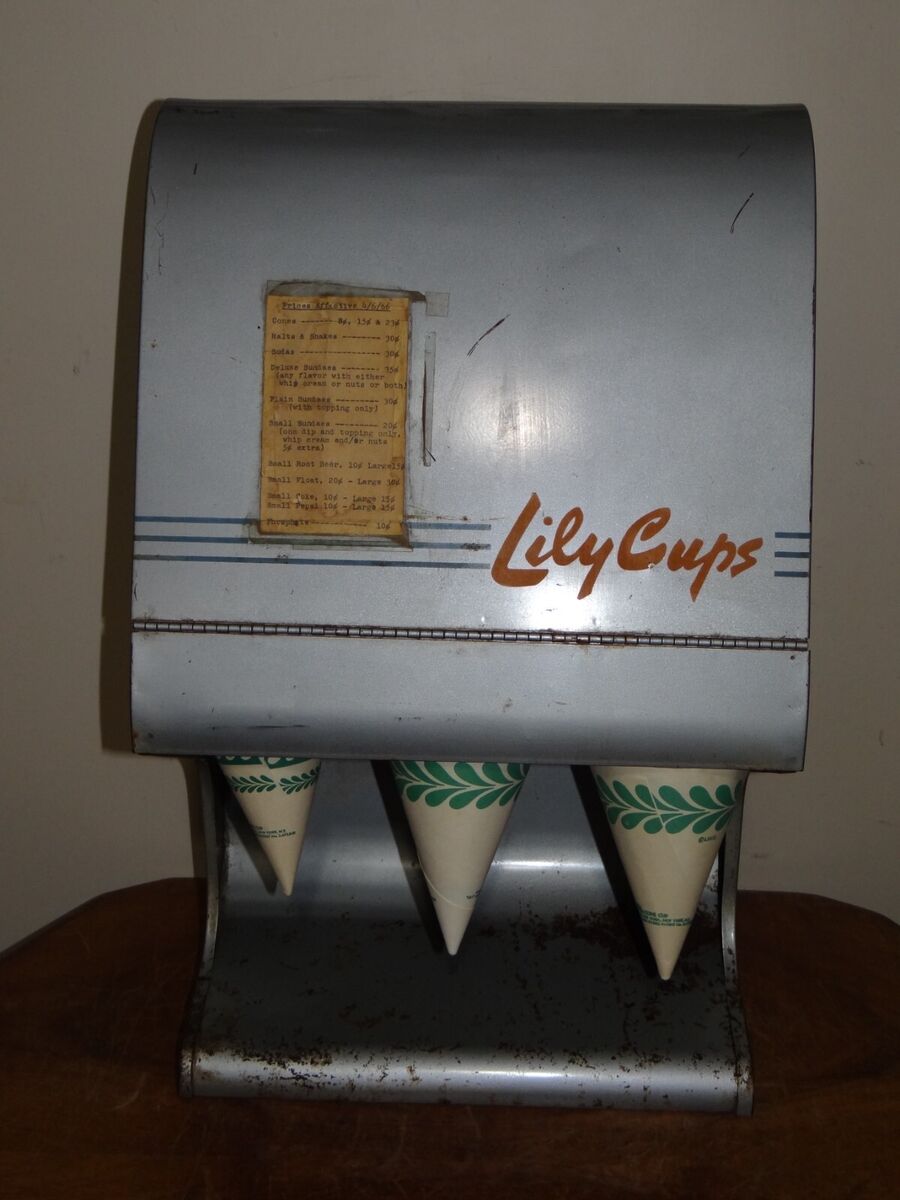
[344, 989]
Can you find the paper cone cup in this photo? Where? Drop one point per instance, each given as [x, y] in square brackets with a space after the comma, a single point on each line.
[457, 812]
[276, 795]
[668, 824]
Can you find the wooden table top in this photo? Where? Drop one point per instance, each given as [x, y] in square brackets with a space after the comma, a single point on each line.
[92, 1007]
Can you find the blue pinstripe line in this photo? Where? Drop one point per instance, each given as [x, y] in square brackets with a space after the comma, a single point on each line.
[447, 525]
[158, 537]
[793, 535]
[195, 520]
[451, 545]
[473, 525]
[312, 562]
[172, 539]
[792, 554]
[792, 574]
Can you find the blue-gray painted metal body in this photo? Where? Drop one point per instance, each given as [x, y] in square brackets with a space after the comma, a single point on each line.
[652, 272]
[615, 316]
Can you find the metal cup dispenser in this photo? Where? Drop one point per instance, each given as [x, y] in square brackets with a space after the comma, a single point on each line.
[471, 559]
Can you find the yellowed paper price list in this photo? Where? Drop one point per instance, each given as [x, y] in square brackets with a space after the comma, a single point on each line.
[334, 415]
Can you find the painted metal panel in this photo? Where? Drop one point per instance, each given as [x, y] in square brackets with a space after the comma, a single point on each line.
[412, 698]
[647, 280]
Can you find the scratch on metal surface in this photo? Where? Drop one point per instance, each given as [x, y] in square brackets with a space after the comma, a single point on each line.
[160, 232]
[496, 325]
[740, 210]
[428, 397]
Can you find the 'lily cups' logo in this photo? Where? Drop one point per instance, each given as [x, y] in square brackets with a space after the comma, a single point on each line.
[564, 549]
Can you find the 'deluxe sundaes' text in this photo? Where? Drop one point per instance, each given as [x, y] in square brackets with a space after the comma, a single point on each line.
[520, 560]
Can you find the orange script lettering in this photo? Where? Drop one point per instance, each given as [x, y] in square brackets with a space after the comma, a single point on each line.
[638, 550]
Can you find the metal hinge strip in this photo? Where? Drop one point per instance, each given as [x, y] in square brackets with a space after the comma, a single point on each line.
[405, 633]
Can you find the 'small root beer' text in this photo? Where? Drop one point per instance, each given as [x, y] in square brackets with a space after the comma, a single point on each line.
[639, 548]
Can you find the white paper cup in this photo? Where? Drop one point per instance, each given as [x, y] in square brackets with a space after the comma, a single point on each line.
[668, 824]
[457, 812]
[276, 795]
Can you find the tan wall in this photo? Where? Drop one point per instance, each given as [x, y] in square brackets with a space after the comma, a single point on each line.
[76, 77]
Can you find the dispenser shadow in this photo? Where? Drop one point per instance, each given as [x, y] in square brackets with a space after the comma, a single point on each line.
[242, 831]
[115, 657]
[406, 848]
[200, 849]
[615, 872]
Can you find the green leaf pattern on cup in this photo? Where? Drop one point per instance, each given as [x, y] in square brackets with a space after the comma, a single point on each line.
[261, 782]
[254, 760]
[669, 810]
[252, 783]
[299, 783]
[458, 784]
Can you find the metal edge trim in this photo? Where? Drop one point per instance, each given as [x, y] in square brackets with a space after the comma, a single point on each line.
[213, 843]
[729, 864]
